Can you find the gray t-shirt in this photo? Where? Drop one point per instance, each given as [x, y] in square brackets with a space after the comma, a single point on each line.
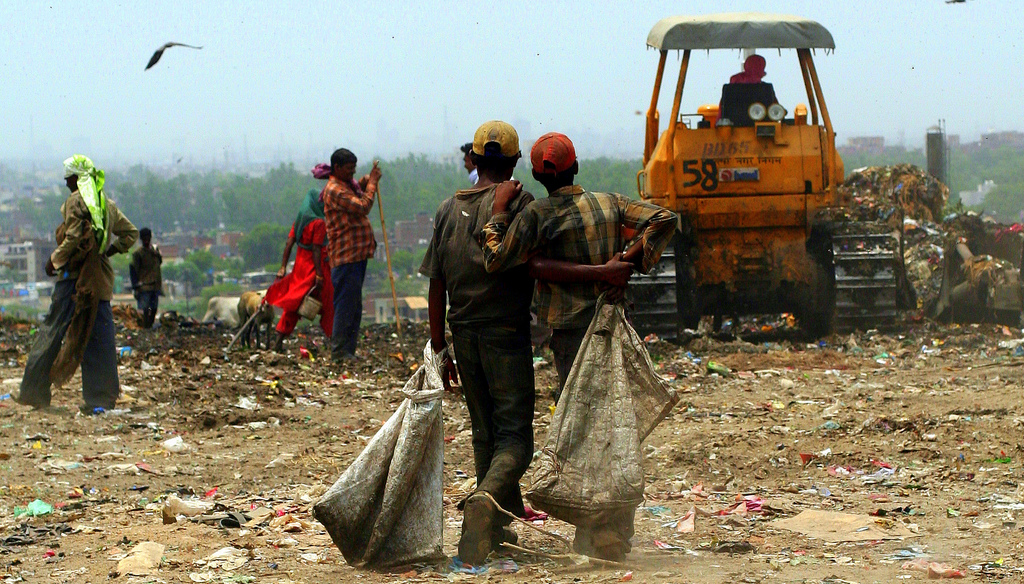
[476, 297]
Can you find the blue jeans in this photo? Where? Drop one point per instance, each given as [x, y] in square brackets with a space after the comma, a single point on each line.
[100, 386]
[148, 302]
[348, 307]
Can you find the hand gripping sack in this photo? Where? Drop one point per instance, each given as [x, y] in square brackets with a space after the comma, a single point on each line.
[387, 509]
[590, 466]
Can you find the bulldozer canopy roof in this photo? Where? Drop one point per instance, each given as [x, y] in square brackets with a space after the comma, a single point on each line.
[741, 30]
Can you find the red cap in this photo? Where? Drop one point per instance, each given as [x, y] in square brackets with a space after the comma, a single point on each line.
[552, 153]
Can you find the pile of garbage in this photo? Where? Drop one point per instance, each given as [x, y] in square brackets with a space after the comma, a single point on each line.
[923, 256]
[878, 192]
[909, 195]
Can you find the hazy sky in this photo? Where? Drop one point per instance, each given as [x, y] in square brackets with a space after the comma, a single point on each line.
[291, 79]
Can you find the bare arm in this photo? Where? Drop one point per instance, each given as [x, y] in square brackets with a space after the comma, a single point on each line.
[317, 256]
[615, 272]
[437, 300]
[288, 255]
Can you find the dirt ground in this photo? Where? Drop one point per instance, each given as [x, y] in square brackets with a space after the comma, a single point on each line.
[917, 434]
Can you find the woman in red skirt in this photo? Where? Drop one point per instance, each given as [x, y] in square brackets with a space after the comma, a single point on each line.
[311, 271]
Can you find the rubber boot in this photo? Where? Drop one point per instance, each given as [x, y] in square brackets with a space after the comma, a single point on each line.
[279, 344]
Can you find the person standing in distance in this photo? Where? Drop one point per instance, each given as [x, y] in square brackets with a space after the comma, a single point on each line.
[350, 243]
[147, 283]
[79, 327]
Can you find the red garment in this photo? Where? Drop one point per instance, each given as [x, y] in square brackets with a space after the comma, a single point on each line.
[288, 292]
[753, 71]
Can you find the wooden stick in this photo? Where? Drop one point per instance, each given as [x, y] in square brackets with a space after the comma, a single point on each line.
[568, 558]
[391, 274]
[565, 541]
[239, 333]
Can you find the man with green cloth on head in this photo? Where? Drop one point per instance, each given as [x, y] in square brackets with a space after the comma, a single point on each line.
[79, 327]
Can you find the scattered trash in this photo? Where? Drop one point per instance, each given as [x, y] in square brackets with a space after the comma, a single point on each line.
[933, 569]
[142, 560]
[686, 524]
[280, 460]
[176, 445]
[173, 507]
[247, 403]
[500, 566]
[226, 558]
[836, 527]
[717, 368]
[34, 509]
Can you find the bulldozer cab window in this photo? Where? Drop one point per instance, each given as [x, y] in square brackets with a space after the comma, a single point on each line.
[738, 97]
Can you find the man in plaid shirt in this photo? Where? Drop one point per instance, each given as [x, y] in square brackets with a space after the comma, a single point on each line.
[578, 226]
[350, 243]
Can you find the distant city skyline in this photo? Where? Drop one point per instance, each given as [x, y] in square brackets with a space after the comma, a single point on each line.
[292, 81]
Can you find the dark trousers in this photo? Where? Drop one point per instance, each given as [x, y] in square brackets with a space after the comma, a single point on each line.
[348, 307]
[565, 343]
[100, 386]
[496, 372]
[148, 302]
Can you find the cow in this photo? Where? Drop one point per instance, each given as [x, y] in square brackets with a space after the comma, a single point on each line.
[223, 310]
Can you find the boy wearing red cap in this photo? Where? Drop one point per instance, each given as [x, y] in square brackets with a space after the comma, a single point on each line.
[577, 226]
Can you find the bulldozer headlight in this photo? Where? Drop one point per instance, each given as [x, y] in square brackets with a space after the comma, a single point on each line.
[776, 112]
[756, 111]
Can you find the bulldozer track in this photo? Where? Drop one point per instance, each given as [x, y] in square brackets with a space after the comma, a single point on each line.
[867, 269]
[653, 298]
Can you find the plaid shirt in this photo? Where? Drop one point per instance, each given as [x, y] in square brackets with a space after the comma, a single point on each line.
[349, 235]
[574, 225]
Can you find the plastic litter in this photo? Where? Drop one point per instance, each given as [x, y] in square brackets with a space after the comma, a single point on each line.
[227, 558]
[933, 569]
[142, 560]
[176, 445]
[34, 509]
[715, 367]
[387, 508]
[173, 507]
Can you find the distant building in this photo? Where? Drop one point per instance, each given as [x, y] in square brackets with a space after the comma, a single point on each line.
[27, 259]
[414, 233]
[1000, 139]
[230, 239]
[413, 308]
[977, 197]
[19, 258]
[866, 144]
[171, 253]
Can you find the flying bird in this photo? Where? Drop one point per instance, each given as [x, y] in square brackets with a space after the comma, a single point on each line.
[159, 52]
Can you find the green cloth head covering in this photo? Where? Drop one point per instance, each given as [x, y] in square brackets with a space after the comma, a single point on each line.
[90, 186]
[311, 210]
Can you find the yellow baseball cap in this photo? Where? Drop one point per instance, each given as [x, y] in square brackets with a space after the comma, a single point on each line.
[500, 133]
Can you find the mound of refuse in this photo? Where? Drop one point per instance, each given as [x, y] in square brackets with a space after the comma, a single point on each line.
[879, 192]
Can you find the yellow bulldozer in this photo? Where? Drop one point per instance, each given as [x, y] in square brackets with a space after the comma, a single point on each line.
[762, 227]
